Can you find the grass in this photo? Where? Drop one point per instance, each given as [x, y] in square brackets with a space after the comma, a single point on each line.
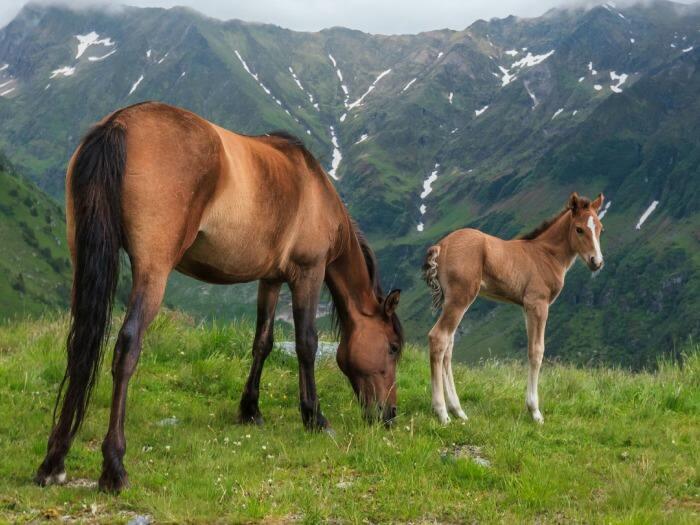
[616, 447]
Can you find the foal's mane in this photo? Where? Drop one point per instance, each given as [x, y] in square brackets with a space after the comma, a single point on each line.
[546, 224]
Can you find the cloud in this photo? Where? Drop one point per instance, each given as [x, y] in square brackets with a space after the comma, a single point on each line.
[374, 16]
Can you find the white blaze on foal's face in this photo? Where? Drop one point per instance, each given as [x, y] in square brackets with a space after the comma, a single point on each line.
[598, 256]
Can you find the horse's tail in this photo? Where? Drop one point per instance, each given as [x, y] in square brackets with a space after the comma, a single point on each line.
[96, 182]
[430, 274]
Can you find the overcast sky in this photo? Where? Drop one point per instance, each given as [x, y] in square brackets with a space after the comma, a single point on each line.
[375, 16]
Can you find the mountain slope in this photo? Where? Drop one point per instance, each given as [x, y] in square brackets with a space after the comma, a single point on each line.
[490, 127]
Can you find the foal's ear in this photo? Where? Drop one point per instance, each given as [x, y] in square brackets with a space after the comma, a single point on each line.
[574, 201]
[598, 202]
[391, 302]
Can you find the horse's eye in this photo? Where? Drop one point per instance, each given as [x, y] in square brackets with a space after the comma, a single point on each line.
[579, 230]
[393, 349]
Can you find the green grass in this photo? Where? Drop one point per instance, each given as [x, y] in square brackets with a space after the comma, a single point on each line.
[616, 447]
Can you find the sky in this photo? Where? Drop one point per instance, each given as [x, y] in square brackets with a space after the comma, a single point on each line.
[374, 16]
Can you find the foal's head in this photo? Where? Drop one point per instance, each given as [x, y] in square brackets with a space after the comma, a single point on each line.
[585, 230]
[368, 355]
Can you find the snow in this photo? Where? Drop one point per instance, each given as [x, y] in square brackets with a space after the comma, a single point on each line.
[4, 67]
[687, 49]
[135, 85]
[512, 52]
[590, 68]
[454, 131]
[557, 112]
[363, 137]
[581, 79]
[507, 78]
[620, 79]
[439, 55]
[337, 156]
[409, 84]
[340, 76]
[7, 92]
[535, 102]
[450, 97]
[646, 214]
[257, 79]
[597, 87]
[91, 39]
[6, 83]
[148, 54]
[573, 114]
[343, 117]
[632, 40]
[605, 210]
[98, 59]
[358, 102]
[478, 112]
[673, 46]
[296, 80]
[428, 182]
[427, 189]
[532, 60]
[164, 57]
[66, 71]
[332, 60]
[183, 74]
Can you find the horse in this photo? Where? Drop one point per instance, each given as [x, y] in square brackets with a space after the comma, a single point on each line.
[177, 192]
[528, 271]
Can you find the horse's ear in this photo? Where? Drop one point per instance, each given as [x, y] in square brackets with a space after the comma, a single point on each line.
[391, 302]
[598, 202]
[574, 201]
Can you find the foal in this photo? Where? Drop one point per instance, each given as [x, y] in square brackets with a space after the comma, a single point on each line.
[528, 271]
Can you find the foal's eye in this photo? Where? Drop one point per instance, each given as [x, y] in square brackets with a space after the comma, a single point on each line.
[579, 230]
[393, 349]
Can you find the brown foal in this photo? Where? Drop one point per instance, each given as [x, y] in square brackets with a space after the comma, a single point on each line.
[528, 271]
[177, 192]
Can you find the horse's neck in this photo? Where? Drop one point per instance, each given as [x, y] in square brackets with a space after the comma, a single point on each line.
[555, 242]
[348, 279]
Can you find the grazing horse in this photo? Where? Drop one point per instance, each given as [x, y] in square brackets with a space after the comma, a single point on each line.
[528, 271]
[177, 192]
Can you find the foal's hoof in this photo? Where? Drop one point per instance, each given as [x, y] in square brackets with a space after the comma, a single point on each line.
[537, 417]
[44, 479]
[329, 432]
[112, 482]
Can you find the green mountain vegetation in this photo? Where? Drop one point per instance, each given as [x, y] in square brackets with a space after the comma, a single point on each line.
[490, 127]
[617, 447]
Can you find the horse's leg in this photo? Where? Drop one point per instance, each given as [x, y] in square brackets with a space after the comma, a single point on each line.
[536, 314]
[306, 289]
[268, 293]
[453, 404]
[146, 295]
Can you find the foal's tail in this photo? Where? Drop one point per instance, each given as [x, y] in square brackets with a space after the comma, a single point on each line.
[430, 274]
[96, 182]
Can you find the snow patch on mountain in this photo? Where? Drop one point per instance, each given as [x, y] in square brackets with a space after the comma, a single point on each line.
[557, 113]
[4, 67]
[591, 69]
[605, 210]
[91, 39]
[535, 102]
[337, 155]
[507, 78]
[65, 71]
[99, 59]
[409, 85]
[646, 214]
[478, 112]
[512, 52]
[450, 96]
[340, 77]
[7, 92]
[358, 102]
[362, 138]
[427, 189]
[135, 85]
[597, 87]
[532, 60]
[687, 49]
[620, 79]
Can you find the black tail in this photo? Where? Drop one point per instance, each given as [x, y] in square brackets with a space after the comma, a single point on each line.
[96, 190]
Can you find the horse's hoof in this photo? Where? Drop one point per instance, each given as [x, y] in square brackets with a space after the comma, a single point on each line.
[256, 419]
[44, 480]
[330, 432]
[113, 483]
[537, 417]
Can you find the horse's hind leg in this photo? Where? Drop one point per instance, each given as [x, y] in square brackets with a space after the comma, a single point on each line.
[441, 338]
[268, 293]
[146, 296]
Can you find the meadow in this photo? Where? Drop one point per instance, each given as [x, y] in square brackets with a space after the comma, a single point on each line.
[616, 446]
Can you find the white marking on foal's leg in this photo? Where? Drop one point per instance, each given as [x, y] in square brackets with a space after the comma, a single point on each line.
[532, 399]
[437, 353]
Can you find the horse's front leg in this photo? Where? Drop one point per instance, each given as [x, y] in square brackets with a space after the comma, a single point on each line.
[146, 296]
[536, 315]
[306, 289]
[268, 293]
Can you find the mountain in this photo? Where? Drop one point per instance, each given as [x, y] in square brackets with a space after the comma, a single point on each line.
[491, 127]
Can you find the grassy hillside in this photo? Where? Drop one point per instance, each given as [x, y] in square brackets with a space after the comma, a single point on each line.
[34, 266]
[616, 448]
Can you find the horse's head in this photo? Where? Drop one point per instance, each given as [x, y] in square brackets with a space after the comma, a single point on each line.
[368, 354]
[586, 228]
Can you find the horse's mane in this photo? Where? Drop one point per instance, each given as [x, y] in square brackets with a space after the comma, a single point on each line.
[286, 139]
[546, 224]
[373, 271]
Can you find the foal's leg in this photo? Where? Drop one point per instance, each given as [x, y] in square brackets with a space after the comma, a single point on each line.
[536, 315]
[146, 296]
[441, 337]
[453, 404]
[305, 295]
[268, 293]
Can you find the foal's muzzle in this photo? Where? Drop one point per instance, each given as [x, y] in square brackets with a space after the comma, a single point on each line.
[593, 265]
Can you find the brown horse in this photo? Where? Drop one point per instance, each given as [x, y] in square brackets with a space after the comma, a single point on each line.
[177, 192]
[528, 271]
